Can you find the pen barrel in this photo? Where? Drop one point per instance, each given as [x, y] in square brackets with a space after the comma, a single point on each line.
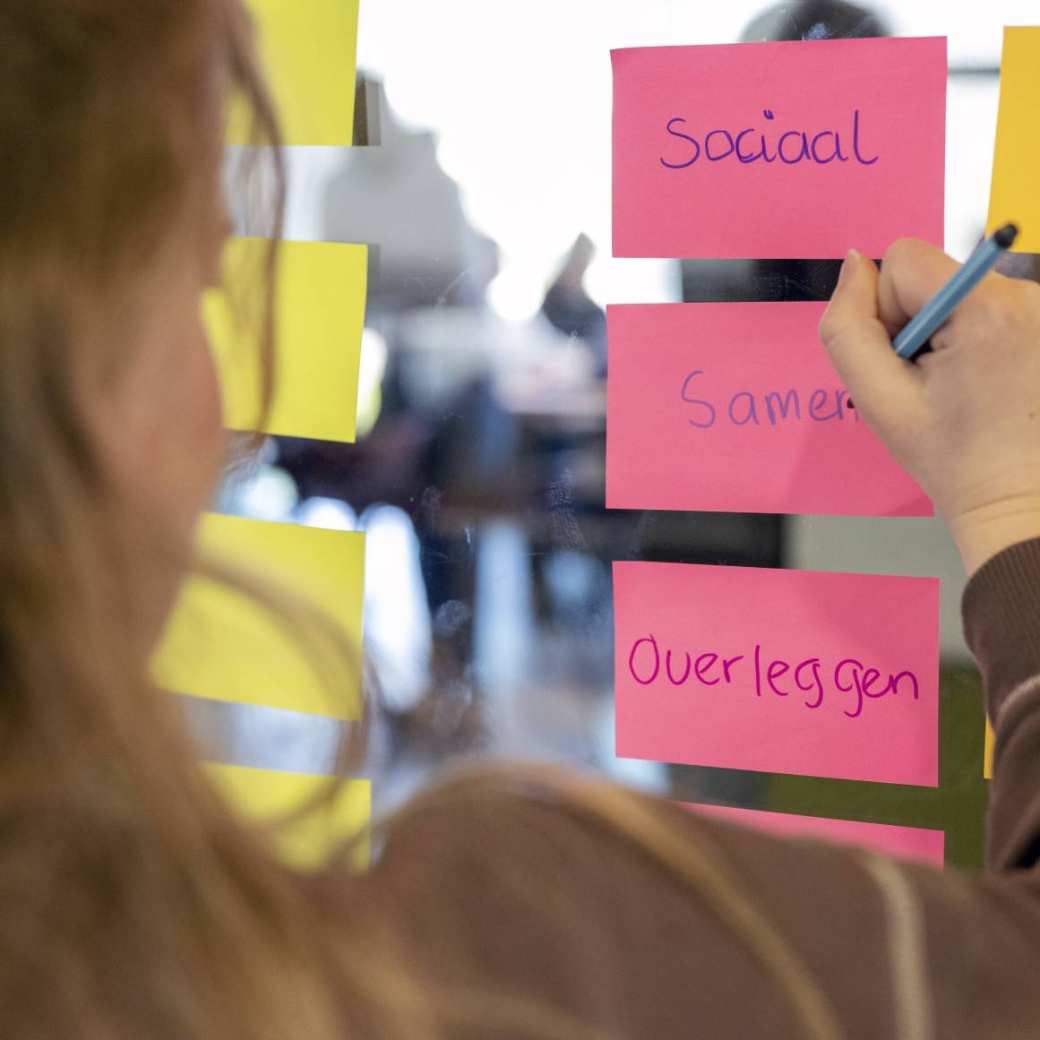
[934, 314]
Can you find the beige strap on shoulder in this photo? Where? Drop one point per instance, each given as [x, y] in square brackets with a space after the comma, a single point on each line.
[907, 947]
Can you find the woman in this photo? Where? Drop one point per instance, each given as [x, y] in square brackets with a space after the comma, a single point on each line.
[510, 903]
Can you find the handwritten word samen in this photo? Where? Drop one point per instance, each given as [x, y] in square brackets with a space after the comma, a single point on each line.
[808, 680]
[736, 407]
[771, 407]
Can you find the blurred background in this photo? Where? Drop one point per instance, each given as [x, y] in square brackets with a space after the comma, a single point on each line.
[481, 182]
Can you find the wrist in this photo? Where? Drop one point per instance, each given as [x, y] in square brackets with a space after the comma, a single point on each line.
[984, 531]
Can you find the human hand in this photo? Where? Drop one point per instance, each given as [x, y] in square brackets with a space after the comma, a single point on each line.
[963, 420]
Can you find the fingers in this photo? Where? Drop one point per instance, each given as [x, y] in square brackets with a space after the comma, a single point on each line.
[883, 385]
[912, 272]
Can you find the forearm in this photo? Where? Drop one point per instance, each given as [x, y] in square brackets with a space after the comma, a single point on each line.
[985, 532]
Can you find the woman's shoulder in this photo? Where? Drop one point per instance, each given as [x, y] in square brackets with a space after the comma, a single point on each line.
[607, 903]
[637, 916]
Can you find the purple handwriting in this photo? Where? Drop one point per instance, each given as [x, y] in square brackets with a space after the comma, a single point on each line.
[752, 145]
[809, 680]
[771, 408]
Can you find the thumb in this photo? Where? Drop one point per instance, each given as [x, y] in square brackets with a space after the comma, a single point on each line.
[883, 385]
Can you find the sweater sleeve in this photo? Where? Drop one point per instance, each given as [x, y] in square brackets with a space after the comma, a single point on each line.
[1001, 613]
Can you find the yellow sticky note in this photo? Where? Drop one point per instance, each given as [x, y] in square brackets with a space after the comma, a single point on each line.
[221, 645]
[321, 289]
[263, 796]
[1016, 160]
[987, 754]
[308, 49]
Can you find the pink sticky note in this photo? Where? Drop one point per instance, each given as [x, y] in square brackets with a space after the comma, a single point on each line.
[912, 843]
[798, 149]
[736, 407]
[833, 675]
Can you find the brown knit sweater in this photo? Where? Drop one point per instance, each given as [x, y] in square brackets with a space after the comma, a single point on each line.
[578, 920]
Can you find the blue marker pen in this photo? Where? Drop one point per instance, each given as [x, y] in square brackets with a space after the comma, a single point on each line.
[934, 314]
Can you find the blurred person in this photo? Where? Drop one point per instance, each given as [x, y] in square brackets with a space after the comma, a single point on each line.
[399, 198]
[509, 902]
[438, 437]
[807, 20]
[569, 308]
[783, 280]
[815, 20]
